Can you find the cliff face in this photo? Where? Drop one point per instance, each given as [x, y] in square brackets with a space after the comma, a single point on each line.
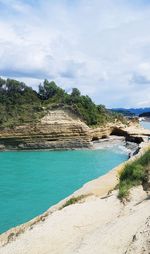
[57, 130]
[140, 243]
[60, 129]
[95, 225]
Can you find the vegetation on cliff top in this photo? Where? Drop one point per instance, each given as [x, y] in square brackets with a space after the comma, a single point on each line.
[133, 174]
[20, 104]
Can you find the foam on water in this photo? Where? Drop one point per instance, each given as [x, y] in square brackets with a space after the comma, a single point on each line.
[116, 144]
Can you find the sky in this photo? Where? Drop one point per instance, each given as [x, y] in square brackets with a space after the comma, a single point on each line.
[102, 47]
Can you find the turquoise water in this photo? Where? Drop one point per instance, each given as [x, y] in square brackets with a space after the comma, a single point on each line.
[146, 125]
[30, 182]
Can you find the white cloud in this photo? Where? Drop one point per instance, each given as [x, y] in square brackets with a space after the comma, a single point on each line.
[101, 47]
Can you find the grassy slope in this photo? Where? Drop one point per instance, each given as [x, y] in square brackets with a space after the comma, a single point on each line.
[133, 174]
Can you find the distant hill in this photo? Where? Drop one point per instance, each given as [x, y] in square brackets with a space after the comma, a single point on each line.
[124, 112]
[146, 114]
[134, 111]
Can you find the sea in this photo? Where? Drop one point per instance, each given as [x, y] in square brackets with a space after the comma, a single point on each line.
[32, 181]
[145, 124]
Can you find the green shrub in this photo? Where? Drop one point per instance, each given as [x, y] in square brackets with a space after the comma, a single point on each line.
[124, 189]
[145, 159]
[73, 200]
[133, 174]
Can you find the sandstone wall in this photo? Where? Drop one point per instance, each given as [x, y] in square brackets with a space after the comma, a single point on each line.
[60, 129]
[57, 130]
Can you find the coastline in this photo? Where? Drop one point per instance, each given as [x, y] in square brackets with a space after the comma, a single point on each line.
[99, 187]
[62, 130]
[76, 137]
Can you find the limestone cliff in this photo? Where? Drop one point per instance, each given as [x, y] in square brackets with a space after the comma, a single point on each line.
[61, 129]
[57, 130]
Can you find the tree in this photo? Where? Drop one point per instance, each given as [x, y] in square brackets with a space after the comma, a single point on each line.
[47, 90]
[75, 92]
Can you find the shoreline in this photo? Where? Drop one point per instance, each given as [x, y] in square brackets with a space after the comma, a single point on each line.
[132, 134]
[69, 135]
[99, 187]
[101, 143]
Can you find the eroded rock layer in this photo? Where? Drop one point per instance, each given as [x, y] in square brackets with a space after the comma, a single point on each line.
[60, 129]
[57, 130]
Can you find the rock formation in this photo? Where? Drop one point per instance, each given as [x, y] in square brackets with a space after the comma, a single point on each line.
[141, 240]
[57, 130]
[61, 129]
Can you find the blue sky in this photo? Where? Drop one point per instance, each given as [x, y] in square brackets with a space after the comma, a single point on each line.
[101, 47]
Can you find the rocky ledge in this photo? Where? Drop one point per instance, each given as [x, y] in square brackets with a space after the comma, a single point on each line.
[60, 129]
[57, 130]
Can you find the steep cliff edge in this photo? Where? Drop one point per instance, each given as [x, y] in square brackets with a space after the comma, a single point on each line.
[95, 225]
[62, 129]
[56, 130]
[51, 118]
